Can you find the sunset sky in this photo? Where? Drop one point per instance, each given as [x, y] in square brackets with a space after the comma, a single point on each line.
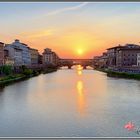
[71, 29]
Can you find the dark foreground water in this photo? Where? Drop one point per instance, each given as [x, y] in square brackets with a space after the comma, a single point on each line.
[70, 103]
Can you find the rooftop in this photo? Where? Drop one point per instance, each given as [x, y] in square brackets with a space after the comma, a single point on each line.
[119, 46]
[1, 43]
[32, 49]
[126, 46]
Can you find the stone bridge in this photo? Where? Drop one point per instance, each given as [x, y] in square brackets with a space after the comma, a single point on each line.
[71, 62]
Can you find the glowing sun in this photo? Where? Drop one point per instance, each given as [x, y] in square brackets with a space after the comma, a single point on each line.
[80, 51]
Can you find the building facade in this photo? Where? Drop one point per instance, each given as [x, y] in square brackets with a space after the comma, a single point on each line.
[50, 57]
[127, 56]
[13, 53]
[7, 59]
[101, 61]
[34, 56]
[119, 57]
[96, 61]
[56, 58]
[47, 56]
[40, 59]
[111, 55]
[19, 52]
[138, 59]
[1, 53]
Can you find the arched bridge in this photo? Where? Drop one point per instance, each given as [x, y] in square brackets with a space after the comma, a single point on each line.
[70, 62]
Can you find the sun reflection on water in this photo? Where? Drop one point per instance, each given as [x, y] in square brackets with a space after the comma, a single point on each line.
[80, 92]
[81, 98]
[79, 69]
[79, 72]
[80, 87]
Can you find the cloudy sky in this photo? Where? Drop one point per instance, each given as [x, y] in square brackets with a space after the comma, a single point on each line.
[72, 29]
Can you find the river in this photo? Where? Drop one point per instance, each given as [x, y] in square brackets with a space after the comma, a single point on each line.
[70, 103]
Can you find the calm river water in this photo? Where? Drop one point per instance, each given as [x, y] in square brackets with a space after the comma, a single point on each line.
[70, 103]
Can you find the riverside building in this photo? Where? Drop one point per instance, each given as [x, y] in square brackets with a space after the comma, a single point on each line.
[112, 56]
[50, 57]
[1, 53]
[19, 52]
[138, 59]
[8, 60]
[128, 56]
[121, 56]
[34, 56]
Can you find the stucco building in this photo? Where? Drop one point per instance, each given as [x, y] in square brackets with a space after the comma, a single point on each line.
[112, 56]
[40, 59]
[127, 55]
[34, 56]
[1, 53]
[50, 57]
[138, 59]
[13, 53]
[120, 56]
[19, 52]
[100, 61]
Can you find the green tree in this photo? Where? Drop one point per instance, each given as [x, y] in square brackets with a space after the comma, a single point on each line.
[7, 69]
[27, 72]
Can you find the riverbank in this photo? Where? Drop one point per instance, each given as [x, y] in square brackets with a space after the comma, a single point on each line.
[6, 80]
[116, 74]
[11, 78]
[49, 70]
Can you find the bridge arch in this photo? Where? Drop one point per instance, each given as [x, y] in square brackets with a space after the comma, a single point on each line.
[71, 62]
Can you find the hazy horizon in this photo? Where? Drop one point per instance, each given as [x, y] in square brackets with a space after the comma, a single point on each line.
[71, 29]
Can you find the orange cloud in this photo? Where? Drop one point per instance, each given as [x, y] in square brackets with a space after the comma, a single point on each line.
[66, 42]
[39, 34]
